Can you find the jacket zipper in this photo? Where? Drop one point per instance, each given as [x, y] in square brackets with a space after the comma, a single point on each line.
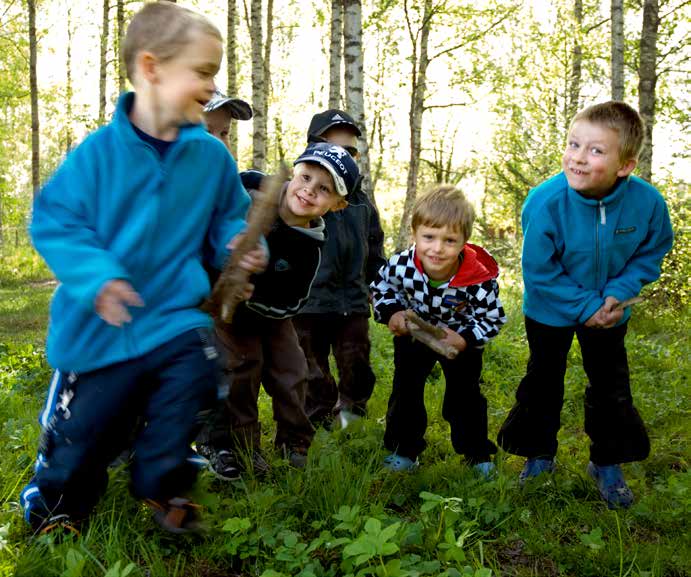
[603, 221]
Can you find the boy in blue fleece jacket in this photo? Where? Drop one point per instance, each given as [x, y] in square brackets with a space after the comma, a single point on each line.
[593, 237]
[123, 223]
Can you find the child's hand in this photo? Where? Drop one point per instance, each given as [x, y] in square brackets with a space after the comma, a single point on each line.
[397, 324]
[255, 260]
[454, 339]
[112, 302]
[610, 314]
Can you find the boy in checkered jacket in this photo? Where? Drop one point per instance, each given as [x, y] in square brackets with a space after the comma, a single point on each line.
[451, 284]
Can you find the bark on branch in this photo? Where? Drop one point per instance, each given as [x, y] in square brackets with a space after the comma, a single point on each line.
[429, 335]
[229, 290]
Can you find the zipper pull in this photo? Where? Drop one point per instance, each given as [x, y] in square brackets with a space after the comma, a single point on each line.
[603, 216]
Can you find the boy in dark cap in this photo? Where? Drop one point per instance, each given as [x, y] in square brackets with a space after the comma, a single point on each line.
[261, 344]
[220, 110]
[335, 317]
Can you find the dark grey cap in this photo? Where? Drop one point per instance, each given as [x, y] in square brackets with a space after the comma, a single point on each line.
[239, 109]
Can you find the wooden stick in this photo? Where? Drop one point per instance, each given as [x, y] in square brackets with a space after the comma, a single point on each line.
[628, 303]
[429, 335]
[229, 289]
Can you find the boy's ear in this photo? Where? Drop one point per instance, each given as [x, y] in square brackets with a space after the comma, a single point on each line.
[627, 167]
[340, 204]
[147, 65]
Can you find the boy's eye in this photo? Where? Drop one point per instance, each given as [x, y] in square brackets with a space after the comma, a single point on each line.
[596, 150]
[573, 144]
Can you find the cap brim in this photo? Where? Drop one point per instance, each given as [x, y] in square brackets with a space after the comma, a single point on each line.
[341, 188]
[239, 109]
[323, 129]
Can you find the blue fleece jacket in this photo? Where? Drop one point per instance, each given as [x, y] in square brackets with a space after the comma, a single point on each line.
[578, 250]
[115, 210]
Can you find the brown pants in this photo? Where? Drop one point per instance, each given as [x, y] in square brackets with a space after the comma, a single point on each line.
[255, 351]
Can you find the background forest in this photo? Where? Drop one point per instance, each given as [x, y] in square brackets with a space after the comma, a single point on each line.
[477, 93]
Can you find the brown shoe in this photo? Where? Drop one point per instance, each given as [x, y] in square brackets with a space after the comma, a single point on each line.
[178, 515]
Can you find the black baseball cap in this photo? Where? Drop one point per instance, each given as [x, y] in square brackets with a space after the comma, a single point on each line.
[239, 109]
[322, 121]
[337, 161]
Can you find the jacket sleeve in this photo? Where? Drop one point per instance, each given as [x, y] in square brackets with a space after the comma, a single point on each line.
[386, 292]
[543, 272]
[644, 265]
[375, 241]
[488, 314]
[230, 213]
[64, 233]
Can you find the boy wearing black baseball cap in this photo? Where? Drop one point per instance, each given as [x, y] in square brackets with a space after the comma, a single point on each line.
[261, 344]
[220, 110]
[337, 312]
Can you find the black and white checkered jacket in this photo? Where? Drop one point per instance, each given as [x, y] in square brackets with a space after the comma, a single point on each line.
[468, 303]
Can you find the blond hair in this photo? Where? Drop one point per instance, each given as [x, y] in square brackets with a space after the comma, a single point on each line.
[164, 29]
[621, 118]
[444, 205]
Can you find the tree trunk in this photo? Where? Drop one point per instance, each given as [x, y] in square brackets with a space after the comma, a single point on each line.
[335, 54]
[122, 68]
[417, 101]
[258, 88]
[647, 79]
[617, 14]
[68, 84]
[33, 83]
[231, 51]
[103, 66]
[354, 84]
[267, 61]
[576, 64]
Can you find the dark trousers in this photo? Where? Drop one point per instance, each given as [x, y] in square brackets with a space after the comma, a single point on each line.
[257, 351]
[88, 420]
[464, 407]
[616, 430]
[347, 336]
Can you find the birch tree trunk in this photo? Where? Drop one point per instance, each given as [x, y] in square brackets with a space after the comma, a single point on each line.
[68, 84]
[647, 80]
[354, 84]
[617, 82]
[33, 84]
[103, 66]
[120, 54]
[576, 64]
[335, 53]
[231, 51]
[419, 65]
[268, 42]
[258, 88]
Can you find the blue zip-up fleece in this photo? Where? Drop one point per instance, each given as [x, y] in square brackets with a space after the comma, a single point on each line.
[578, 250]
[116, 210]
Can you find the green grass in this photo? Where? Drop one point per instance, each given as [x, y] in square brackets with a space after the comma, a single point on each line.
[345, 515]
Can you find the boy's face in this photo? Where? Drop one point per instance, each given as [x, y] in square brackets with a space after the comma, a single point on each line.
[218, 124]
[310, 193]
[344, 137]
[591, 160]
[185, 83]
[438, 249]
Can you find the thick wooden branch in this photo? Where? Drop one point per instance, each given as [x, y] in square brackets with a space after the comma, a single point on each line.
[229, 290]
[628, 303]
[429, 335]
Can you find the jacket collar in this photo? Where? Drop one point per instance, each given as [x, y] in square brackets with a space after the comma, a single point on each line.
[617, 193]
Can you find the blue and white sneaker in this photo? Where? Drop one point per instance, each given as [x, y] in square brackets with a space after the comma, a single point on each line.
[399, 464]
[535, 467]
[611, 485]
[487, 470]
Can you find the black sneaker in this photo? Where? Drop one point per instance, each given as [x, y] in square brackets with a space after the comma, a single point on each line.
[59, 525]
[259, 464]
[297, 456]
[224, 465]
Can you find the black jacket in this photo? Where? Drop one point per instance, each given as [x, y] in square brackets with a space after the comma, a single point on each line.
[351, 257]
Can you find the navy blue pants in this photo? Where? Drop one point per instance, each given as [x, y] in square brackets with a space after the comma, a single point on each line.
[464, 406]
[617, 432]
[88, 420]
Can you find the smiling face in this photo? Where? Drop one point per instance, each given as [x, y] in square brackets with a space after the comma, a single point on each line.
[438, 249]
[310, 193]
[591, 160]
[185, 83]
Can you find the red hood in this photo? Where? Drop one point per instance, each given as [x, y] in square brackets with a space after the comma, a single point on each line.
[477, 266]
